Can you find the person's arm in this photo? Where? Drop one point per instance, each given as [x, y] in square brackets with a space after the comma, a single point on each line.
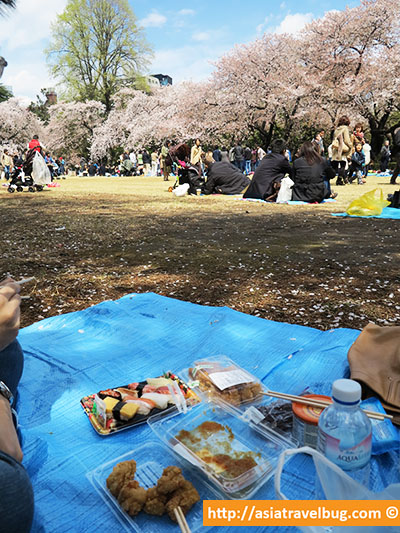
[9, 442]
[9, 326]
[9, 312]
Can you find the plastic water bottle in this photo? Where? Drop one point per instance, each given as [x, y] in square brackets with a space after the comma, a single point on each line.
[345, 431]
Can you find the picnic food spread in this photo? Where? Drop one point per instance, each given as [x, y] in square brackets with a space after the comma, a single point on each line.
[212, 443]
[171, 491]
[111, 410]
[222, 379]
[232, 440]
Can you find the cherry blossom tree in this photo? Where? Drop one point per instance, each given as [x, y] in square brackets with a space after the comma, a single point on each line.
[347, 62]
[17, 125]
[71, 127]
[352, 55]
[139, 119]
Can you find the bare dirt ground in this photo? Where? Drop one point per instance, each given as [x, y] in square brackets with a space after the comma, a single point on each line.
[94, 239]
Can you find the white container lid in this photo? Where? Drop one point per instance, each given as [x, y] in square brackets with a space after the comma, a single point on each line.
[346, 391]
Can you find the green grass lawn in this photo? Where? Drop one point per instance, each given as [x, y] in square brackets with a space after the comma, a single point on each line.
[93, 239]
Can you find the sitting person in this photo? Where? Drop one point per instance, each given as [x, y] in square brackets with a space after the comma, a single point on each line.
[224, 178]
[16, 495]
[356, 169]
[269, 173]
[310, 172]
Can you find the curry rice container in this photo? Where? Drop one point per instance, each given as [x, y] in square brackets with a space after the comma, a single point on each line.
[305, 420]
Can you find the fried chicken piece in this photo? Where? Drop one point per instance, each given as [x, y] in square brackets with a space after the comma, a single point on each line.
[132, 498]
[185, 497]
[170, 480]
[122, 473]
[155, 503]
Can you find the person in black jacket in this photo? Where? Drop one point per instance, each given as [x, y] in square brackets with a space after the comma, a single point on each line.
[146, 162]
[224, 178]
[310, 170]
[268, 175]
[239, 157]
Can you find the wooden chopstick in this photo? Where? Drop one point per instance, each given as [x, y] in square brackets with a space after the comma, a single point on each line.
[320, 403]
[180, 518]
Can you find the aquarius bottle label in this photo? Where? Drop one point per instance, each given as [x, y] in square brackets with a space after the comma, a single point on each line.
[347, 457]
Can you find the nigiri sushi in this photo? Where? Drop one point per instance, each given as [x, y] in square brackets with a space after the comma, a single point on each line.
[127, 394]
[159, 382]
[144, 406]
[125, 411]
[148, 388]
[110, 404]
[161, 400]
[109, 392]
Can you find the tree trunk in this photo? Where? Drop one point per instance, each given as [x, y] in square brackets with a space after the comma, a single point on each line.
[379, 131]
[266, 134]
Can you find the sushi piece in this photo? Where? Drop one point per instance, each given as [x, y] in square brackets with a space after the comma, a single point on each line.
[133, 386]
[144, 406]
[161, 400]
[159, 382]
[125, 411]
[148, 388]
[109, 392]
[149, 402]
[163, 390]
[110, 404]
[127, 394]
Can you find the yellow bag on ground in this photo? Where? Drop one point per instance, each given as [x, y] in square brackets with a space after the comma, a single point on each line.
[368, 204]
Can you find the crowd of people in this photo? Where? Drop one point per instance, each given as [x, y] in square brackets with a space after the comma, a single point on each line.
[228, 171]
[12, 162]
[223, 171]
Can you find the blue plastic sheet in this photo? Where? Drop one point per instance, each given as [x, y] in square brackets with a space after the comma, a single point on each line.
[289, 202]
[387, 212]
[136, 337]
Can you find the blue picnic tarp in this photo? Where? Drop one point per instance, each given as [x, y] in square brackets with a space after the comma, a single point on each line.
[387, 212]
[140, 336]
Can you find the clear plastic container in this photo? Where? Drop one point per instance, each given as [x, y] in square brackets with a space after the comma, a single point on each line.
[219, 378]
[280, 423]
[151, 458]
[231, 453]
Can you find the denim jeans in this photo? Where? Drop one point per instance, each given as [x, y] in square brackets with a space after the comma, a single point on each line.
[16, 494]
[248, 166]
[327, 184]
[7, 172]
[240, 164]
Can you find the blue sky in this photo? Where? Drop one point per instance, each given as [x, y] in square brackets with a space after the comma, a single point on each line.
[185, 37]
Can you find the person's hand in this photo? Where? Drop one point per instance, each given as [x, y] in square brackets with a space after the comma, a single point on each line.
[9, 312]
